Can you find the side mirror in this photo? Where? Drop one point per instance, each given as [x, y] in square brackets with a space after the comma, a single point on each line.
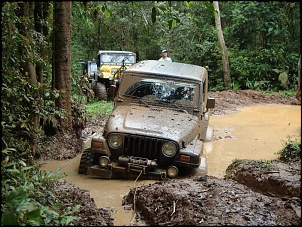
[210, 103]
[93, 67]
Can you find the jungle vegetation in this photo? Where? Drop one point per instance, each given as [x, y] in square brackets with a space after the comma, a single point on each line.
[44, 43]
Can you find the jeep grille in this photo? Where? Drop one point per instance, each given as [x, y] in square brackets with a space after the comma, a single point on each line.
[145, 147]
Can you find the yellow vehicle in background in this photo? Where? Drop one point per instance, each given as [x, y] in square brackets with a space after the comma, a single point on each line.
[106, 71]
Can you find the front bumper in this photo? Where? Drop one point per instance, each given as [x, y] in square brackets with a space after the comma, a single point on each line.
[134, 168]
[130, 170]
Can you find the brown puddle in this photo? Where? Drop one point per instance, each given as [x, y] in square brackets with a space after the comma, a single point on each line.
[106, 193]
[256, 132]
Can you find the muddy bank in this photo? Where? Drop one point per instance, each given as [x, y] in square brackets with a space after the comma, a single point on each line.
[254, 193]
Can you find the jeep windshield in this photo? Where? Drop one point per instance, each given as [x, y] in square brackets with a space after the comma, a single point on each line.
[160, 91]
[117, 58]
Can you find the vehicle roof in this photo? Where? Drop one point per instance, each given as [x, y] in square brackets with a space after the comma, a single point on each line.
[115, 52]
[174, 69]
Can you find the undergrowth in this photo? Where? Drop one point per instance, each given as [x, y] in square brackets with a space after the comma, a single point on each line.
[26, 195]
[98, 109]
[291, 150]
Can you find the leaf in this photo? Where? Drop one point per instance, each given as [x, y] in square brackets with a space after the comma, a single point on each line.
[283, 77]
[174, 23]
[33, 217]
[76, 208]
[276, 70]
[69, 219]
[107, 13]
[26, 206]
[14, 198]
[13, 171]
[27, 168]
[9, 218]
[8, 150]
[22, 163]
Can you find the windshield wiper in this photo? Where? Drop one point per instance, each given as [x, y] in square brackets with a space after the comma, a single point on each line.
[141, 101]
[144, 102]
[174, 104]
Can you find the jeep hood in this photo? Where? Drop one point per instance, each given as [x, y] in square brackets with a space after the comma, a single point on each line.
[108, 67]
[153, 121]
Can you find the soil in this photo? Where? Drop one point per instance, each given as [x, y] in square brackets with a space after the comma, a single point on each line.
[253, 193]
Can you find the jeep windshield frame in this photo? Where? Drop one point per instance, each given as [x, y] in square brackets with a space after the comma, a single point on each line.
[160, 90]
[109, 58]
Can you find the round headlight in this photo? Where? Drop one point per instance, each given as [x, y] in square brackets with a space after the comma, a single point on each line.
[172, 171]
[114, 141]
[104, 161]
[169, 149]
[113, 71]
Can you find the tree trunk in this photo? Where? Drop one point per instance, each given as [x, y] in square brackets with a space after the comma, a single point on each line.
[39, 28]
[28, 64]
[41, 17]
[224, 53]
[100, 34]
[62, 62]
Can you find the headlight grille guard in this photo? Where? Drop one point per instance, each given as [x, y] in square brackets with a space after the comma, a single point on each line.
[145, 147]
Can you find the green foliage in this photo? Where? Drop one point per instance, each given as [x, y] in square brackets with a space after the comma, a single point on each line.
[98, 109]
[259, 37]
[235, 86]
[23, 101]
[26, 195]
[291, 150]
[25, 190]
[283, 77]
[218, 87]
[259, 164]
[284, 94]
[255, 70]
[20, 106]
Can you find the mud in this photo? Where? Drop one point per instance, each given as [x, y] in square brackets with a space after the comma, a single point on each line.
[210, 201]
[249, 195]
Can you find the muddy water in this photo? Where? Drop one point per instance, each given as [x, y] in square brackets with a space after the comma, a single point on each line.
[253, 133]
[106, 193]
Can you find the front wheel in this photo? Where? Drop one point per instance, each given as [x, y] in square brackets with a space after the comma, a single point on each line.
[88, 159]
[100, 91]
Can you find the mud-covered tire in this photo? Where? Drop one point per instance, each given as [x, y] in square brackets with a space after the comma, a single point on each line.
[93, 84]
[100, 91]
[88, 159]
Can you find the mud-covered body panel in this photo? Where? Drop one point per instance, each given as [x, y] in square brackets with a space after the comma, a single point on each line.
[170, 69]
[153, 121]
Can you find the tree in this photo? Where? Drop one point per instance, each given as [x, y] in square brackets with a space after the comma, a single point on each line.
[62, 61]
[41, 16]
[28, 63]
[224, 53]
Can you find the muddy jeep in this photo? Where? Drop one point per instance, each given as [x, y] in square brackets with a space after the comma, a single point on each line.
[158, 125]
[106, 71]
